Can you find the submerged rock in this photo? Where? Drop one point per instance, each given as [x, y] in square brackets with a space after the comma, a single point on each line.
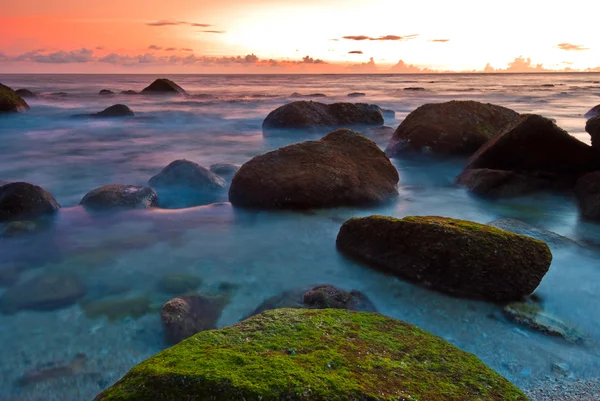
[117, 309]
[587, 192]
[129, 92]
[179, 283]
[518, 227]
[457, 257]
[18, 228]
[26, 94]
[296, 94]
[455, 128]
[593, 112]
[356, 94]
[163, 86]
[382, 133]
[119, 196]
[53, 371]
[45, 292]
[225, 170]
[184, 183]
[414, 88]
[318, 297]
[342, 169]
[185, 316]
[21, 200]
[10, 101]
[593, 128]
[117, 110]
[106, 92]
[295, 354]
[314, 115]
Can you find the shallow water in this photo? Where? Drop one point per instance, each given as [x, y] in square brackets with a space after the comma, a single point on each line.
[263, 253]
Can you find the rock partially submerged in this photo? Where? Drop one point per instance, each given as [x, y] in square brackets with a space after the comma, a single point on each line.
[593, 128]
[26, 94]
[119, 196]
[342, 169]
[457, 257]
[356, 94]
[129, 92]
[455, 128]
[225, 170]
[10, 101]
[314, 115]
[117, 110]
[163, 86]
[587, 192]
[106, 92]
[593, 112]
[21, 200]
[295, 354]
[519, 227]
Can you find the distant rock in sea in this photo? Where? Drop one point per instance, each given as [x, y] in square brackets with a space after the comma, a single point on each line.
[106, 92]
[21, 200]
[117, 110]
[120, 197]
[26, 94]
[10, 101]
[296, 94]
[129, 92]
[414, 88]
[163, 86]
[356, 94]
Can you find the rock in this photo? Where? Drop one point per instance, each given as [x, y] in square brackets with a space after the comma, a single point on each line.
[9, 273]
[53, 371]
[45, 292]
[593, 112]
[224, 170]
[388, 113]
[318, 297]
[106, 92]
[378, 134]
[163, 86]
[117, 110]
[178, 284]
[2, 183]
[26, 94]
[296, 94]
[117, 309]
[18, 228]
[455, 128]
[414, 88]
[560, 369]
[184, 184]
[314, 115]
[457, 257]
[342, 169]
[587, 192]
[356, 94]
[518, 227]
[185, 316]
[21, 200]
[129, 92]
[296, 354]
[118, 196]
[532, 316]
[593, 128]
[10, 102]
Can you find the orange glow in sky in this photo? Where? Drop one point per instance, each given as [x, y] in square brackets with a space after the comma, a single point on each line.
[277, 36]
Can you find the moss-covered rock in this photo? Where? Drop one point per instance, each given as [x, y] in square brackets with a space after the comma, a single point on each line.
[457, 257]
[117, 309]
[330, 354]
[10, 102]
[178, 284]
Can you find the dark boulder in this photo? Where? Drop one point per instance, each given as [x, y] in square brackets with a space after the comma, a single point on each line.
[225, 170]
[457, 257]
[315, 115]
[117, 110]
[593, 128]
[342, 169]
[118, 196]
[593, 112]
[414, 88]
[10, 101]
[587, 192]
[26, 94]
[20, 200]
[163, 86]
[356, 94]
[455, 128]
[106, 92]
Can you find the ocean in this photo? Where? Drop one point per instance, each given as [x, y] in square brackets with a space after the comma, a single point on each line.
[261, 254]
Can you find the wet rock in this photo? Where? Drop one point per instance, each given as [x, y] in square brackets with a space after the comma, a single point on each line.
[356, 94]
[18, 228]
[593, 128]
[388, 113]
[129, 92]
[9, 273]
[518, 227]
[342, 169]
[560, 369]
[414, 88]
[26, 94]
[117, 309]
[225, 170]
[21, 200]
[593, 112]
[185, 316]
[117, 110]
[106, 92]
[52, 371]
[329, 354]
[163, 86]
[455, 128]
[178, 284]
[45, 292]
[531, 315]
[314, 115]
[118, 196]
[184, 184]
[447, 255]
[10, 101]
[587, 192]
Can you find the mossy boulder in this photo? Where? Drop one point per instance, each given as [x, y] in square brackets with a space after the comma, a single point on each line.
[10, 102]
[117, 309]
[178, 284]
[455, 128]
[19, 200]
[457, 257]
[120, 197]
[344, 168]
[330, 354]
[163, 86]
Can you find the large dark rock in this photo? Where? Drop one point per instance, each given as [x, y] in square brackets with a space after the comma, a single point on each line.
[593, 112]
[587, 191]
[45, 292]
[163, 86]
[318, 297]
[593, 128]
[26, 94]
[118, 196]
[314, 115]
[455, 128]
[21, 200]
[117, 110]
[342, 169]
[314, 355]
[10, 102]
[184, 184]
[457, 257]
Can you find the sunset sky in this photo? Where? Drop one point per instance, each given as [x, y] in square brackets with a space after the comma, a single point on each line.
[296, 36]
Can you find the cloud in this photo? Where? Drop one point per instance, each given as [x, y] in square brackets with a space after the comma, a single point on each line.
[214, 31]
[60, 57]
[154, 47]
[310, 60]
[386, 37]
[570, 47]
[173, 23]
[402, 68]
[355, 52]
[170, 49]
[99, 47]
[360, 37]
[185, 49]
[519, 64]
[439, 40]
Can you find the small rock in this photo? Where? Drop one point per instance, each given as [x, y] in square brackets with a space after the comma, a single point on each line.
[560, 369]
[178, 284]
[106, 92]
[20, 200]
[593, 128]
[387, 113]
[117, 309]
[356, 94]
[225, 170]
[117, 110]
[120, 197]
[587, 192]
[414, 88]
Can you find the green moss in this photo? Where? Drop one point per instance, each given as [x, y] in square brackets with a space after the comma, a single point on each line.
[329, 354]
[117, 309]
[10, 101]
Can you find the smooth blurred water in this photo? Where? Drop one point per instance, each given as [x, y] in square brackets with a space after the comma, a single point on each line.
[262, 253]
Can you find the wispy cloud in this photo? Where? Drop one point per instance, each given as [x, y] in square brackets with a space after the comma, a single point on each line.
[170, 49]
[214, 31]
[571, 47]
[74, 56]
[154, 47]
[386, 37]
[99, 47]
[439, 40]
[173, 23]
[185, 49]
[355, 52]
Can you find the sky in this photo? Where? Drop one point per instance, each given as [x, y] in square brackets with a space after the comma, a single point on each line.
[297, 36]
